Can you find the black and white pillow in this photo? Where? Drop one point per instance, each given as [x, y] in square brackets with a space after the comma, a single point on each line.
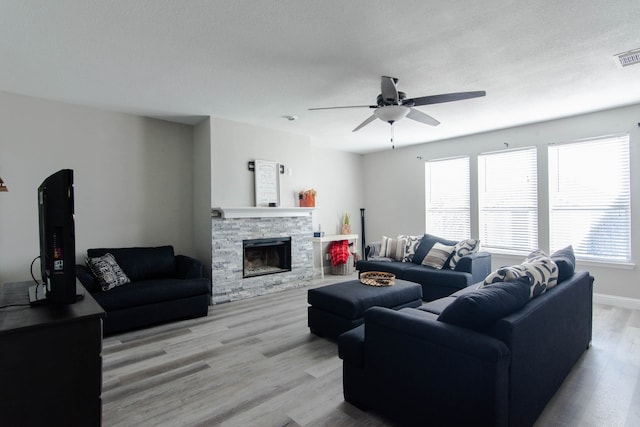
[438, 255]
[411, 243]
[463, 248]
[107, 271]
[541, 270]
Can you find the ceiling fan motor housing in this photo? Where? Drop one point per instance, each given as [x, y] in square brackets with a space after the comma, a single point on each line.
[382, 102]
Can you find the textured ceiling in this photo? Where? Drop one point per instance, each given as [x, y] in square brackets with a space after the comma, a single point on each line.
[257, 61]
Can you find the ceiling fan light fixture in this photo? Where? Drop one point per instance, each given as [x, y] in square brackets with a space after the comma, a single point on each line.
[391, 113]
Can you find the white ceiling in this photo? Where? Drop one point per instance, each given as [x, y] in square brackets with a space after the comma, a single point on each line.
[256, 61]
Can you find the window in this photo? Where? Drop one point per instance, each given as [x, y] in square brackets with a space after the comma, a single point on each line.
[507, 199]
[589, 198]
[447, 198]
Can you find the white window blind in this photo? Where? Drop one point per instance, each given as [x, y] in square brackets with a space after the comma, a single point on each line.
[447, 198]
[589, 198]
[507, 198]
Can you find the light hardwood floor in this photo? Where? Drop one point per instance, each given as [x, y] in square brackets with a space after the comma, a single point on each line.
[254, 363]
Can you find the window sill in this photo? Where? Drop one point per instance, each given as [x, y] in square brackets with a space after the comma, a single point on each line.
[517, 255]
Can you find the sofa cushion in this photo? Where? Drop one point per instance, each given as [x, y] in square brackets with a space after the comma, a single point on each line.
[147, 292]
[142, 263]
[481, 308]
[438, 255]
[437, 306]
[425, 245]
[107, 271]
[428, 276]
[565, 259]
[541, 270]
[463, 248]
[396, 267]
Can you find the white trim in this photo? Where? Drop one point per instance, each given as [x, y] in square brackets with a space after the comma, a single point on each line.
[259, 212]
[623, 302]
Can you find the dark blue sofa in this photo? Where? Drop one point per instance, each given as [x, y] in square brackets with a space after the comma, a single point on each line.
[435, 283]
[164, 287]
[417, 370]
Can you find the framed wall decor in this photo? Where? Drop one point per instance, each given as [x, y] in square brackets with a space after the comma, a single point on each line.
[267, 183]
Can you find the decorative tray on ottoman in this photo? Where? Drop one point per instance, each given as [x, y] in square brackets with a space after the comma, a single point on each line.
[377, 278]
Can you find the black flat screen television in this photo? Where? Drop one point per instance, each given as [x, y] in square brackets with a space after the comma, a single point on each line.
[57, 240]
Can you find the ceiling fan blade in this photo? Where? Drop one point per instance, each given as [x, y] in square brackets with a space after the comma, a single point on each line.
[348, 106]
[421, 117]
[446, 97]
[366, 122]
[389, 90]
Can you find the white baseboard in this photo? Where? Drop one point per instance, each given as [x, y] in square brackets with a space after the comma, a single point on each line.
[623, 302]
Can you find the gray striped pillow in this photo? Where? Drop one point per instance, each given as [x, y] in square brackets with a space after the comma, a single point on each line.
[438, 255]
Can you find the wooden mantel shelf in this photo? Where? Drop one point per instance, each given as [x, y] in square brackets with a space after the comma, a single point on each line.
[259, 212]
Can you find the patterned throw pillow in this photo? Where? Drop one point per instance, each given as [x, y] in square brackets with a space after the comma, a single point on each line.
[107, 271]
[541, 270]
[392, 248]
[463, 248]
[438, 255]
[411, 243]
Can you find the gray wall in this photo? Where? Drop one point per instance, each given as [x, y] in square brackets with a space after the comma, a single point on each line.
[395, 201]
[202, 193]
[133, 178]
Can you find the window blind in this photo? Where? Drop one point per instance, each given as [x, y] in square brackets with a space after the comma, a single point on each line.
[507, 199]
[447, 198]
[589, 198]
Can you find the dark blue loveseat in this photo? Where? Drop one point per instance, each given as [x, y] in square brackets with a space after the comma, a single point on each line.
[164, 287]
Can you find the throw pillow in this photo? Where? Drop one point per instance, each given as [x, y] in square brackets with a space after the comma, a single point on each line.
[392, 248]
[539, 268]
[107, 271]
[481, 308]
[438, 255]
[425, 244]
[411, 243]
[463, 248]
[565, 259]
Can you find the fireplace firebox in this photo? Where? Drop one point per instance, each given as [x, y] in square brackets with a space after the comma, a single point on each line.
[266, 256]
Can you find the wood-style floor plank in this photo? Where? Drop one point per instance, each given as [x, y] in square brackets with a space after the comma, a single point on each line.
[254, 363]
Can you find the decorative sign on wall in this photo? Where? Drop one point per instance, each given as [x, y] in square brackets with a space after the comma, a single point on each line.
[267, 183]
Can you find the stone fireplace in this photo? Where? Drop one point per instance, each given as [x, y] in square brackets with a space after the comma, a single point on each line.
[241, 233]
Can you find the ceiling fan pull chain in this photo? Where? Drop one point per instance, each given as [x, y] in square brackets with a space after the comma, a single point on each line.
[393, 146]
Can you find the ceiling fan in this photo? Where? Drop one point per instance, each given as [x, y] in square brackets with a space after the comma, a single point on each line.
[392, 105]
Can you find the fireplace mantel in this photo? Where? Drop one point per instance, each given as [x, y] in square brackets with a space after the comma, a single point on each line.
[259, 212]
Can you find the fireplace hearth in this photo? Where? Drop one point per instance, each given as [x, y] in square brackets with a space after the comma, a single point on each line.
[266, 256]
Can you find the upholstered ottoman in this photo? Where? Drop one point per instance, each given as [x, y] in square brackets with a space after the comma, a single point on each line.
[337, 308]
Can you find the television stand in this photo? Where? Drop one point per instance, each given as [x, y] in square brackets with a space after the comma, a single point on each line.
[50, 360]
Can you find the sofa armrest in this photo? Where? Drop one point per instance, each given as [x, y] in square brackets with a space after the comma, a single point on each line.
[372, 249]
[87, 278]
[188, 268]
[351, 346]
[477, 264]
[423, 360]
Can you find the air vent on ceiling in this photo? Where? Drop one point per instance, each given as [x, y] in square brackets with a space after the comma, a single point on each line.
[628, 58]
